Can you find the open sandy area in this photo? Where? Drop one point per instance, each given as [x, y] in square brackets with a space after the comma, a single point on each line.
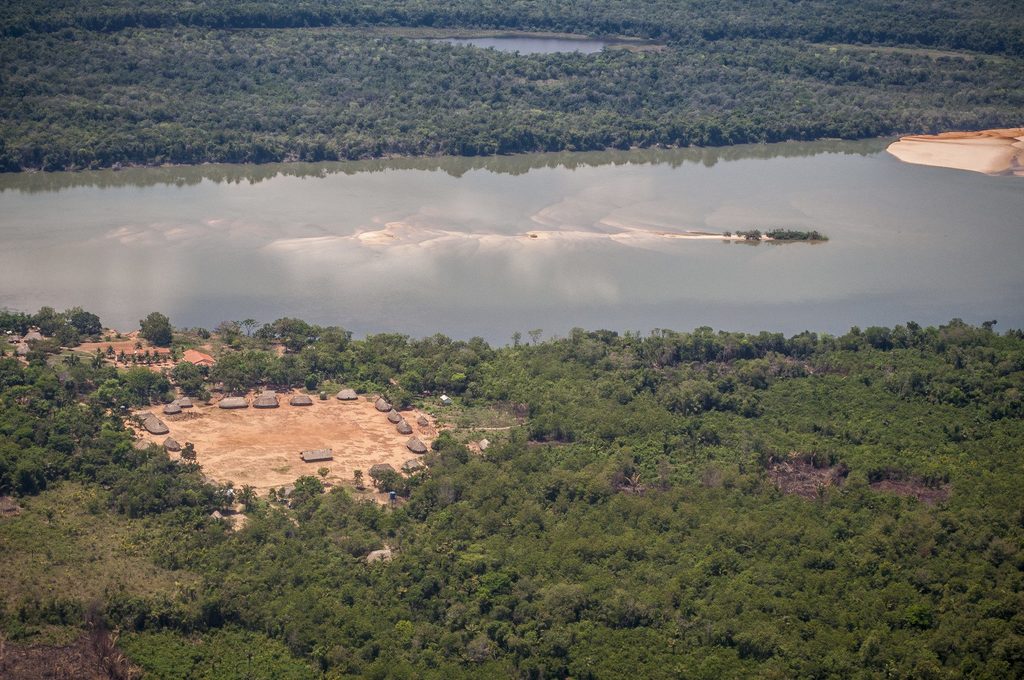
[993, 152]
[261, 447]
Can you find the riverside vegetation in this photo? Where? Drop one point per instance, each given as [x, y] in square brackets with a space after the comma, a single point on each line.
[675, 504]
[90, 84]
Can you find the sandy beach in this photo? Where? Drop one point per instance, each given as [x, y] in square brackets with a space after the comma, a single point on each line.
[992, 152]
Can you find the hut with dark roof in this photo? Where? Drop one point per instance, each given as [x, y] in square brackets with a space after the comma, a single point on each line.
[415, 445]
[300, 400]
[382, 405]
[347, 395]
[317, 455]
[394, 416]
[171, 444]
[233, 402]
[422, 421]
[154, 425]
[403, 427]
[267, 399]
[172, 409]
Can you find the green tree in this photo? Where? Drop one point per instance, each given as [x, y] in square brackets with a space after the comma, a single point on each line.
[86, 323]
[157, 329]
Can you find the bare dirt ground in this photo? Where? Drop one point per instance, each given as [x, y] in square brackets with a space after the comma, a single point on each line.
[799, 476]
[929, 495]
[90, 657]
[261, 447]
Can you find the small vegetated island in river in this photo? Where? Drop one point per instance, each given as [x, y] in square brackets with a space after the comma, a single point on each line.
[780, 236]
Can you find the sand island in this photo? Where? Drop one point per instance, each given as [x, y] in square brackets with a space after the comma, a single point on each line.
[993, 152]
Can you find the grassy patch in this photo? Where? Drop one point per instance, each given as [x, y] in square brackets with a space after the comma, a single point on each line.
[66, 550]
[223, 654]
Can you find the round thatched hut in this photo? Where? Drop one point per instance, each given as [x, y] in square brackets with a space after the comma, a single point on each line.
[154, 425]
[382, 405]
[171, 444]
[380, 469]
[422, 421]
[266, 399]
[403, 427]
[394, 416]
[183, 402]
[172, 409]
[412, 465]
[300, 400]
[233, 402]
[347, 395]
[415, 445]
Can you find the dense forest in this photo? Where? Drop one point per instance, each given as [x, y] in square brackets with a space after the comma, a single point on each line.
[95, 84]
[674, 504]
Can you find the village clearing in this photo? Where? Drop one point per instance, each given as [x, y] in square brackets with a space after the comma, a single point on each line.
[262, 447]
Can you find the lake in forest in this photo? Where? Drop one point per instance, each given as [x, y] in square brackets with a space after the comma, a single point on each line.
[532, 44]
[490, 246]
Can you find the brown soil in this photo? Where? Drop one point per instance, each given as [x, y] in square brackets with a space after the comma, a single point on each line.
[79, 660]
[930, 495]
[162, 355]
[261, 447]
[799, 476]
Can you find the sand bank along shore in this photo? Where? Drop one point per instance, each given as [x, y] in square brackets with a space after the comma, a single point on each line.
[993, 152]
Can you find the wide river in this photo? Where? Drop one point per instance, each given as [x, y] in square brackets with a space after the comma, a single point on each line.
[497, 245]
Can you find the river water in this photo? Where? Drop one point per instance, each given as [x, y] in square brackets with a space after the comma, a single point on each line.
[471, 246]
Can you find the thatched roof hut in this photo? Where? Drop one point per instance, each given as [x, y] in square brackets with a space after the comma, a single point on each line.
[415, 445]
[394, 416]
[412, 465]
[172, 409]
[233, 402]
[301, 400]
[267, 399]
[171, 444]
[422, 421]
[347, 394]
[382, 405]
[380, 469]
[403, 427]
[154, 425]
[183, 402]
[317, 455]
[141, 444]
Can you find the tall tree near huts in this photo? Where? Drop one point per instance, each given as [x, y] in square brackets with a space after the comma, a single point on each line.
[157, 329]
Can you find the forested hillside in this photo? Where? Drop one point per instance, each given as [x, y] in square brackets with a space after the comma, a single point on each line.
[701, 504]
[90, 84]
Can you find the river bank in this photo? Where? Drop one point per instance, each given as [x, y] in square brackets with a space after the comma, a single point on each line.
[992, 152]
